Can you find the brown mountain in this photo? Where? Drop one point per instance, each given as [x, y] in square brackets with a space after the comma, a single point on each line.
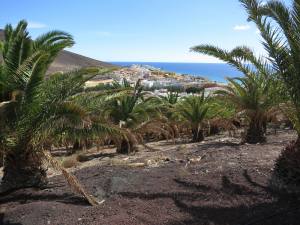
[67, 61]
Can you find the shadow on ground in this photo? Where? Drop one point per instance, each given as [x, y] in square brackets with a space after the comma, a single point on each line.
[231, 204]
[2, 222]
[24, 198]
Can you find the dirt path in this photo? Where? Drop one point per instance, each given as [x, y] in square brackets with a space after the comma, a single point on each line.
[212, 183]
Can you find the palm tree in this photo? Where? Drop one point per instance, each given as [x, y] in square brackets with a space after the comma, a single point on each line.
[22, 72]
[193, 110]
[224, 118]
[169, 102]
[93, 126]
[37, 118]
[22, 57]
[253, 101]
[34, 108]
[279, 27]
[133, 112]
[171, 98]
[252, 95]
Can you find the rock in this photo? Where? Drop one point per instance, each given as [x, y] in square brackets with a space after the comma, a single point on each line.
[104, 159]
[119, 184]
[137, 164]
[152, 163]
[100, 193]
[195, 160]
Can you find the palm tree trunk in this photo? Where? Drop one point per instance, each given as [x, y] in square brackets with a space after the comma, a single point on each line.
[1, 157]
[126, 147]
[77, 146]
[198, 134]
[22, 170]
[175, 130]
[255, 133]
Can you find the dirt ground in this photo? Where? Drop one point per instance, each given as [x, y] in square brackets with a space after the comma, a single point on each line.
[218, 182]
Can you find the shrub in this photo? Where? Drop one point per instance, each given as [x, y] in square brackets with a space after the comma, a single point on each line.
[194, 90]
[83, 157]
[70, 162]
[286, 175]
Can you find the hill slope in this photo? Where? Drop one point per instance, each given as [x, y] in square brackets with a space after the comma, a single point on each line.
[67, 61]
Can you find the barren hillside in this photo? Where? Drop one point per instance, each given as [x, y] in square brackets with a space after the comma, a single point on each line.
[67, 61]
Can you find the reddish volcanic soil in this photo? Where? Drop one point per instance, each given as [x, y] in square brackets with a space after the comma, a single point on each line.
[226, 186]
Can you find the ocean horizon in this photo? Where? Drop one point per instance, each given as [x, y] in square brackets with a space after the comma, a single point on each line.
[212, 71]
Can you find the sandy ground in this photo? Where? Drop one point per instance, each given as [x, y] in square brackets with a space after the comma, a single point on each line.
[218, 182]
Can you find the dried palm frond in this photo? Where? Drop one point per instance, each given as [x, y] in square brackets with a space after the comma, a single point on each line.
[71, 179]
[290, 111]
[158, 127]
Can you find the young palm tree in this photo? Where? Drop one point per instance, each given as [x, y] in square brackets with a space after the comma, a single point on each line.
[171, 98]
[134, 112]
[169, 102]
[252, 95]
[279, 27]
[224, 118]
[193, 110]
[93, 126]
[253, 101]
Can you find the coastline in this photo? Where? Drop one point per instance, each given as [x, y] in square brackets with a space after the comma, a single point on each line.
[215, 72]
[156, 80]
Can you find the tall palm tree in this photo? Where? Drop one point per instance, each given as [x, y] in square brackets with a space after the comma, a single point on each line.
[36, 119]
[279, 28]
[23, 57]
[253, 94]
[193, 110]
[21, 75]
[34, 108]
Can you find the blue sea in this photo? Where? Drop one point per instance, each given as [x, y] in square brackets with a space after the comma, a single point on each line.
[212, 71]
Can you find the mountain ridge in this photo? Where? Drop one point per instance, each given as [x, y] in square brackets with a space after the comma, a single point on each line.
[67, 61]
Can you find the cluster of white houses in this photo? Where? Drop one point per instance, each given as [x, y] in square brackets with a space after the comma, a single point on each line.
[154, 79]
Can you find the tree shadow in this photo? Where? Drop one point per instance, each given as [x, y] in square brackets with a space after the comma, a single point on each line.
[24, 198]
[231, 204]
[101, 155]
[218, 145]
[2, 222]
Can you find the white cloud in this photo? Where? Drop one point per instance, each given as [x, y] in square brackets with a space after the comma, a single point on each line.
[35, 25]
[241, 27]
[257, 31]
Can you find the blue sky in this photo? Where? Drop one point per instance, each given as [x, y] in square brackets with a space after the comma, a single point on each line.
[138, 30]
